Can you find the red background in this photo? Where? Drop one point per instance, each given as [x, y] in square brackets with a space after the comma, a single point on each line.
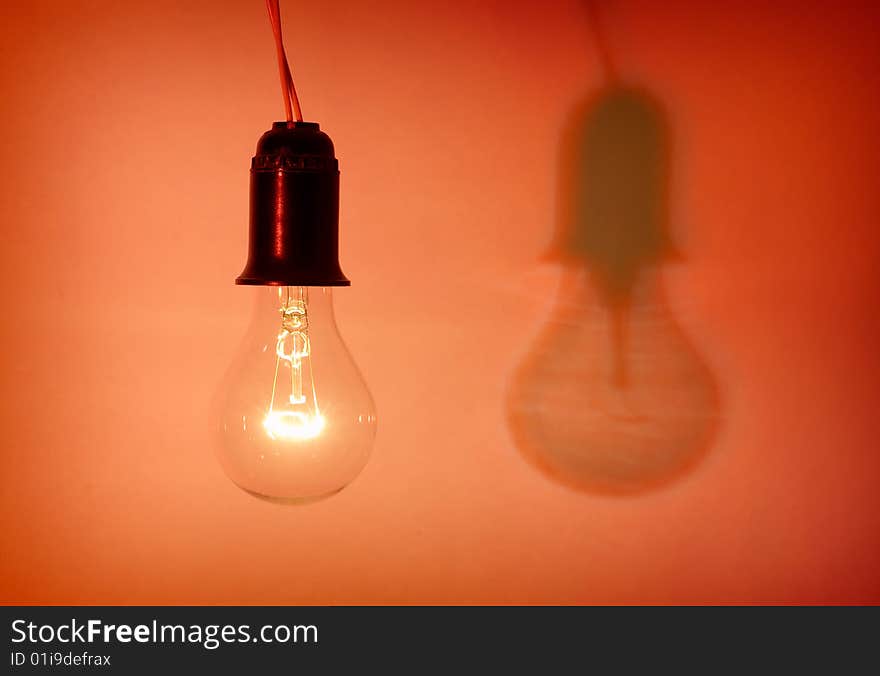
[127, 134]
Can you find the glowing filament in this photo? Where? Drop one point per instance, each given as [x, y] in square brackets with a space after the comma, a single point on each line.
[293, 346]
[293, 425]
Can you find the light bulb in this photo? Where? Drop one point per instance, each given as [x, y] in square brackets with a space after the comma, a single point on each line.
[297, 421]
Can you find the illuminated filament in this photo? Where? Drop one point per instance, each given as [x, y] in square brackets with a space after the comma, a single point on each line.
[294, 420]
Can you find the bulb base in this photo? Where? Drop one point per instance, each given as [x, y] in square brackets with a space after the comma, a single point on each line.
[294, 209]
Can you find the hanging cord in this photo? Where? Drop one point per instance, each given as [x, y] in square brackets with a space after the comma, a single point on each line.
[288, 91]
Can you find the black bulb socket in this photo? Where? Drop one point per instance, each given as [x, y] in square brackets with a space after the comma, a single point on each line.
[294, 209]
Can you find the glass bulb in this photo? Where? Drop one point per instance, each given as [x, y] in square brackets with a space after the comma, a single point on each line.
[297, 421]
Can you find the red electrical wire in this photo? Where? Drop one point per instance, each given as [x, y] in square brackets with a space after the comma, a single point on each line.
[288, 91]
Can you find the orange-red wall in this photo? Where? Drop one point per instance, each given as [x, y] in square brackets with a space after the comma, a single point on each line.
[127, 130]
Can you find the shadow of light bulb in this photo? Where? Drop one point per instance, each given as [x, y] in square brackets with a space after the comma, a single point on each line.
[613, 397]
